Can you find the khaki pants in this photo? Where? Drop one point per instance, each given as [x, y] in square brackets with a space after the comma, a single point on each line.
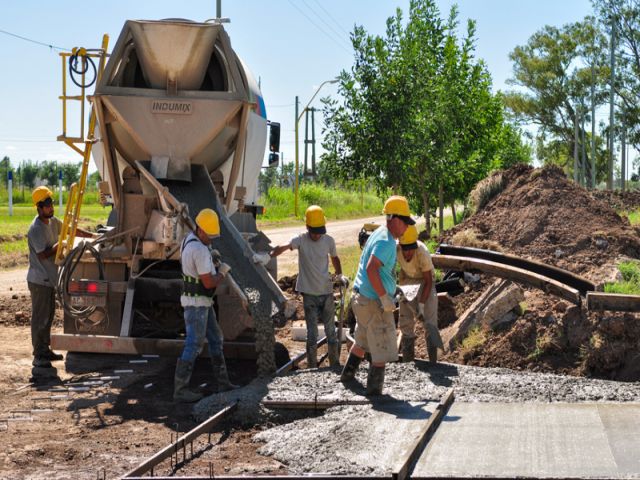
[409, 312]
[375, 330]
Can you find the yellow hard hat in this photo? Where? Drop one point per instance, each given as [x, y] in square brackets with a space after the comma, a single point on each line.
[315, 219]
[40, 194]
[409, 239]
[398, 206]
[208, 221]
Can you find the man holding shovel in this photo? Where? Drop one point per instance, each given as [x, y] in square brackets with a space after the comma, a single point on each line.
[416, 268]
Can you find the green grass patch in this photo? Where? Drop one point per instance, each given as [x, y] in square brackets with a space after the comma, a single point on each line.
[475, 338]
[13, 229]
[630, 283]
[634, 217]
[336, 203]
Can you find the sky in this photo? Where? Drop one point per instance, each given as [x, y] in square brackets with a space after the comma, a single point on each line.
[292, 46]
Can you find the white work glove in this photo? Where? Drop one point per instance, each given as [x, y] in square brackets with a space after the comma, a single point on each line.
[387, 304]
[223, 269]
[261, 258]
[421, 310]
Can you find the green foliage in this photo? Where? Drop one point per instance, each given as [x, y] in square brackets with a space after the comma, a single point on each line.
[630, 284]
[48, 172]
[634, 217]
[337, 203]
[29, 174]
[554, 73]
[417, 113]
[474, 339]
[70, 173]
[5, 166]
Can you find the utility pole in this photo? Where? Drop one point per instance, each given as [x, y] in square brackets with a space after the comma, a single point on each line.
[306, 143]
[313, 142]
[623, 172]
[295, 173]
[575, 144]
[593, 126]
[611, 98]
[583, 163]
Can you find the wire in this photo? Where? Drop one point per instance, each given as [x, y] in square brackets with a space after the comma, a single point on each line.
[52, 47]
[281, 106]
[338, 34]
[332, 18]
[318, 26]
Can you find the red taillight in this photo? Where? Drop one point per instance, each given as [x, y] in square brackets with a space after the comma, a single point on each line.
[87, 287]
[92, 287]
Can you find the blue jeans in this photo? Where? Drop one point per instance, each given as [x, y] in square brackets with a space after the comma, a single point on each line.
[201, 323]
[319, 307]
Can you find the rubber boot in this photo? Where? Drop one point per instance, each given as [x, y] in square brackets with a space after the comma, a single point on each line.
[312, 356]
[181, 392]
[432, 351]
[334, 354]
[221, 376]
[408, 349]
[350, 368]
[375, 380]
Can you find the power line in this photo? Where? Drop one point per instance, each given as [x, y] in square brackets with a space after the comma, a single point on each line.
[52, 47]
[332, 18]
[318, 26]
[338, 34]
[280, 106]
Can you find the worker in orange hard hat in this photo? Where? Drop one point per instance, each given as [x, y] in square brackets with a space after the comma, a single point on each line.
[373, 304]
[315, 248]
[416, 268]
[200, 278]
[42, 277]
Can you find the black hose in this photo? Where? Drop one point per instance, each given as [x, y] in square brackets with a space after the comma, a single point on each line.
[81, 68]
[66, 272]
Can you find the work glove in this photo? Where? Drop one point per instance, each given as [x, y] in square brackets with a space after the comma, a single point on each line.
[387, 304]
[261, 258]
[223, 269]
[421, 310]
[341, 279]
[216, 257]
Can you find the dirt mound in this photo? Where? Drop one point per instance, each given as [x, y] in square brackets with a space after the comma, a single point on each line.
[621, 201]
[541, 214]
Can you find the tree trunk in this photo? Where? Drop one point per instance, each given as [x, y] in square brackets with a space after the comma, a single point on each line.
[441, 208]
[427, 214]
[453, 212]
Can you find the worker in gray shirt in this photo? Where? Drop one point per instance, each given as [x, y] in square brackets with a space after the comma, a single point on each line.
[42, 276]
[315, 283]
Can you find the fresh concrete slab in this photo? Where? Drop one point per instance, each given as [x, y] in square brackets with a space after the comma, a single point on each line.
[535, 440]
[356, 440]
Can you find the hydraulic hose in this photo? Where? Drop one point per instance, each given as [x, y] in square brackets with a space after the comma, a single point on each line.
[72, 260]
[79, 64]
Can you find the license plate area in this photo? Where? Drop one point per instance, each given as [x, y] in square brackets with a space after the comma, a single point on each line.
[88, 301]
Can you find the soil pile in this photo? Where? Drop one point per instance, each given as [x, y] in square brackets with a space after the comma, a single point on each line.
[540, 214]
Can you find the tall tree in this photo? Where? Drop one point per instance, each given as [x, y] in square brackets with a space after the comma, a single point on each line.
[5, 166]
[49, 172]
[29, 173]
[416, 113]
[70, 173]
[554, 73]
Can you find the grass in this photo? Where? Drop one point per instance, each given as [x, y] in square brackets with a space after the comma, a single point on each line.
[337, 204]
[630, 283]
[13, 230]
[633, 216]
[475, 338]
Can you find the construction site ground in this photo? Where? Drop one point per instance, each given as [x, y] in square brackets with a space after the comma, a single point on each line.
[553, 353]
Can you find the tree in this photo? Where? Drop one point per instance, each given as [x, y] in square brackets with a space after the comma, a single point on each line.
[555, 70]
[416, 115]
[267, 179]
[70, 173]
[29, 174]
[49, 172]
[5, 166]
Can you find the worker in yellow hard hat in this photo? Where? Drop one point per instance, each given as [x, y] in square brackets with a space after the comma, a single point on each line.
[42, 277]
[200, 278]
[416, 269]
[315, 248]
[373, 305]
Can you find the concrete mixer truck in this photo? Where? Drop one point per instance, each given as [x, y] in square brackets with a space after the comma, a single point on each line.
[177, 124]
